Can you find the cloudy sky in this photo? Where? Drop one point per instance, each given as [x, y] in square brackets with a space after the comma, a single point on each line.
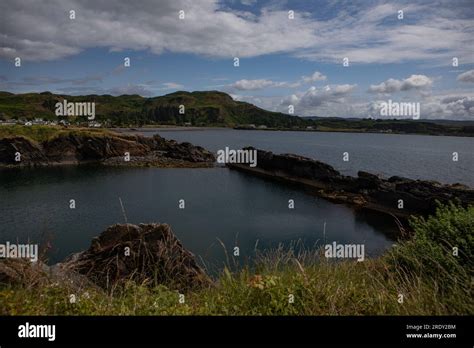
[285, 58]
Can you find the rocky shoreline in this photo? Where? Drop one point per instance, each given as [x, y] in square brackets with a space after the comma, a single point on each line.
[396, 195]
[106, 149]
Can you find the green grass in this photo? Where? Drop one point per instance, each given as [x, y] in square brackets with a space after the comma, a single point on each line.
[37, 133]
[41, 133]
[423, 269]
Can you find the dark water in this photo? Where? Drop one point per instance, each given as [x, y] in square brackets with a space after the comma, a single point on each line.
[220, 204]
[413, 156]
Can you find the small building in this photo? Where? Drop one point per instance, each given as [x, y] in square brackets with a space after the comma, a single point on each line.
[94, 124]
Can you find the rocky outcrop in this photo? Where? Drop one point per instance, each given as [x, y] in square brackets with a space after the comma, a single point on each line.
[366, 190]
[17, 150]
[74, 147]
[296, 165]
[109, 148]
[147, 253]
[183, 151]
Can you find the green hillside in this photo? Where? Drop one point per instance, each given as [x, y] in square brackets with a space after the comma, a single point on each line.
[210, 108]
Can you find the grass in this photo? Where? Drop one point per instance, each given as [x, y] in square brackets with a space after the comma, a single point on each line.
[36, 133]
[423, 269]
[40, 133]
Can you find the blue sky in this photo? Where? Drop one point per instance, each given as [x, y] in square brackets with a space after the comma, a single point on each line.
[283, 61]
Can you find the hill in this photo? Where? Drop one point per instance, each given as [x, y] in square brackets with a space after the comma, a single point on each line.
[209, 108]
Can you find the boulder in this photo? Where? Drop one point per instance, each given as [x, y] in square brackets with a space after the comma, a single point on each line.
[295, 165]
[145, 253]
[183, 151]
[368, 181]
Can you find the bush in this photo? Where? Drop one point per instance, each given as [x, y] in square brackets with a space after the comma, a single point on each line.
[432, 250]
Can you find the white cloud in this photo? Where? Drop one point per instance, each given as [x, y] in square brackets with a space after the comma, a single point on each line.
[389, 86]
[210, 29]
[248, 2]
[310, 102]
[249, 85]
[460, 106]
[441, 106]
[317, 76]
[430, 36]
[467, 76]
[392, 85]
[416, 82]
[341, 101]
[338, 100]
[325, 101]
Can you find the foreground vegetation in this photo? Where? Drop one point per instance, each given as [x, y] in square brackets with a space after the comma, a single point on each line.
[424, 269]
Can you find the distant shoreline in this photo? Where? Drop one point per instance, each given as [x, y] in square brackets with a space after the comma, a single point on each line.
[197, 128]
[164, 129]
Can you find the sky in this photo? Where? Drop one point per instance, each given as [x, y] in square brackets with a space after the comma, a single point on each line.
[290, 52]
